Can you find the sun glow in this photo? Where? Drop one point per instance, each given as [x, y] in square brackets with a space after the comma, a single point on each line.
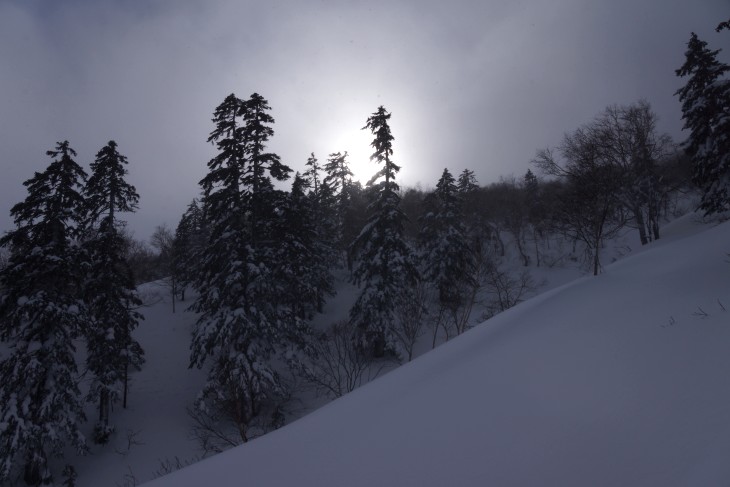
[357, 144]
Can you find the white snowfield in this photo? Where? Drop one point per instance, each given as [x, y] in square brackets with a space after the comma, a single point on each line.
[618, 380]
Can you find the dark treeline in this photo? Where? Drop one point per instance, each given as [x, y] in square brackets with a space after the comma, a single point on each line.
[256, 263]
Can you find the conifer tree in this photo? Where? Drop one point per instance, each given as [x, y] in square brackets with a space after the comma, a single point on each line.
[241, 325]
[536, 211]
[467, 182]
[303, 257]
[321, 206]
[355, 216]
[477, 226]
[447, 260]
[384, 265]
[705, 102]
[467, 188]
[313, 175]
[187, 246]
[337, 183]
[41, 313]
[109, 289]
[260, 167]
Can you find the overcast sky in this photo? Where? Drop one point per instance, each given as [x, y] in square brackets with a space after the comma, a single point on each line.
[470, 84]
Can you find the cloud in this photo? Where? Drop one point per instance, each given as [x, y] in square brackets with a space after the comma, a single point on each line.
[471, 84]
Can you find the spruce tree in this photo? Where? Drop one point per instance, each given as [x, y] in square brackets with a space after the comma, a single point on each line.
[537, 214]
[705, 102]
[261, 166]
[41, 313]
[321, 206]
[384, 265]
[109, 289]
[468, 190]
[355, 216]
[447, 261]
[313, 175]
[303, 257]
[467, 182]
[187, 246]
[337, 195]
[240, 326]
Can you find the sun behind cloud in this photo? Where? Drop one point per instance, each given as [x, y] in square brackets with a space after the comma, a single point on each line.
[357, 144]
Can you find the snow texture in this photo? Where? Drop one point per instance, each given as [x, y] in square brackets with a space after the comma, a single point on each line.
[619, 379]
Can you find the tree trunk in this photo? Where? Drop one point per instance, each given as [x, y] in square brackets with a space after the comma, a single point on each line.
[104, 407]
[174, 292]
[126, 384]
[640, 224]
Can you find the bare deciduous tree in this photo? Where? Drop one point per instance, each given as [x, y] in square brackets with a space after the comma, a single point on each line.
[337, 364]
[626, 137]
[218, 426]
[504, 289]
[411, 317]
[163, 240]
[590, 206]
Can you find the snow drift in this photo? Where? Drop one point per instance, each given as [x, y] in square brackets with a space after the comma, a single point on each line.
[622, 379]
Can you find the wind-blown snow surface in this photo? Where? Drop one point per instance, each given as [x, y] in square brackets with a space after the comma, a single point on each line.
[616, 380]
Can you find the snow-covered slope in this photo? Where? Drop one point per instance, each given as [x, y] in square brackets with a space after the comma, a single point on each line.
[153, 433]
[618, 380]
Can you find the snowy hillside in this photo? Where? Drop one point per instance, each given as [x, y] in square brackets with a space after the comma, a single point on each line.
[622, 379]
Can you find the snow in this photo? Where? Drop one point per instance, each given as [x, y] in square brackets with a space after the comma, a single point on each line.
[155, 429]
[620, 379]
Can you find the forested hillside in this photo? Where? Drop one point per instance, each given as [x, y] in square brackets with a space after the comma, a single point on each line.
[289, 289]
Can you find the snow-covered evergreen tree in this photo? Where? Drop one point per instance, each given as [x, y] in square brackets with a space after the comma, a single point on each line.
[336, 195]
[304, 259]
[447, 260]
[355, 215]
[109, 288]
[468, 190]
[240, 325]
[467, 182]
[322, 200]
[41, 313]
[188, 244]
[706, 113]
[384, 266]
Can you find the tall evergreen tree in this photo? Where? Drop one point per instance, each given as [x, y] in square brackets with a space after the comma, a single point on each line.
[260, 167]
[705, 102]
[303, 257]
[109, 289]
[41, 313]
[537, 214]
[337, 184]
[240, 325]
[447, 260]
[384, 264]
[188, 244]
[467, 182]
[322, 202]
[355, 216]
[477, 225]
[313, 175]
[321, 206]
